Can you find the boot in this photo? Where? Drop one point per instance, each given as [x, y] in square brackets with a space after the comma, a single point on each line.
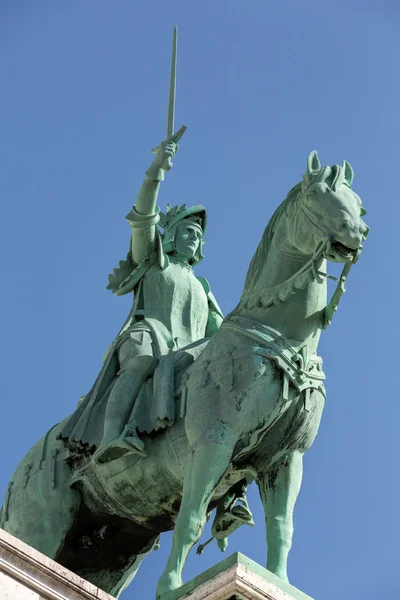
[125, 444]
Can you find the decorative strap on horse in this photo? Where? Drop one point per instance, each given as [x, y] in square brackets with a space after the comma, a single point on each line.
[304, 372]
[305, 275]
[282, 291]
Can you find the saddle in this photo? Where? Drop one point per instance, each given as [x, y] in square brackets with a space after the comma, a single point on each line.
[156, 404]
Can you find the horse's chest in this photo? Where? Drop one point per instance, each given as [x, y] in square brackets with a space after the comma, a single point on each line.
[233, 384]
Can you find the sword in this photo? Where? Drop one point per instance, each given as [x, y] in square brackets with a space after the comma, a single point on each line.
[175, 137]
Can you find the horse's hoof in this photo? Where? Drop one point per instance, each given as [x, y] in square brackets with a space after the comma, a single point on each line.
[168, 583]
[243, 513]
[281, 573]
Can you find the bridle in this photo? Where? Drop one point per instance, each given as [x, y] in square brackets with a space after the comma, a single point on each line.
[306, 274]
[333, 305]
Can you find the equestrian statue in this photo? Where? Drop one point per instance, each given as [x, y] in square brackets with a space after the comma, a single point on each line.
[189, 407]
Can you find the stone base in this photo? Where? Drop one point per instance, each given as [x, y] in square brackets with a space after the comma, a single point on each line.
[237, 578]
[26, 574]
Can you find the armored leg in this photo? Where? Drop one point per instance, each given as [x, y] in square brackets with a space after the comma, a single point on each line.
[137, 363]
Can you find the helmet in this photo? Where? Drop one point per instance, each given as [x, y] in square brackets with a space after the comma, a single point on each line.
[174, 215]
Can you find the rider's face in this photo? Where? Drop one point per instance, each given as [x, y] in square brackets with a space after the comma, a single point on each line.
[188, 236]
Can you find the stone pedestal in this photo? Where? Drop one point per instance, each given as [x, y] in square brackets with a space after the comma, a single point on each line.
[237, 578]
[26, 574]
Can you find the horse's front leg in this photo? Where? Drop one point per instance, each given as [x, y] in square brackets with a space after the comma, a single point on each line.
[279, 488]
[206, 465]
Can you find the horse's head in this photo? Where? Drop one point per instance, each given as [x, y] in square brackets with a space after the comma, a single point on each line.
[330, 210]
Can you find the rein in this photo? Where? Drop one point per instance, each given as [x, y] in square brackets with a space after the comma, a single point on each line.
[333, 305]
[305, 275]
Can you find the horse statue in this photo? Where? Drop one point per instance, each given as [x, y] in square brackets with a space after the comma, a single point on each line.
[247, 406]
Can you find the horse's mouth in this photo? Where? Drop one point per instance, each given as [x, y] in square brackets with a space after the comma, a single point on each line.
[340, 253]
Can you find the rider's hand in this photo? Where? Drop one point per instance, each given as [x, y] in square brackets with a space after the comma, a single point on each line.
[162, 162]
[165, 153]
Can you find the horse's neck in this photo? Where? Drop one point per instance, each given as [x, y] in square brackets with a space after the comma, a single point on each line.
[300, 316]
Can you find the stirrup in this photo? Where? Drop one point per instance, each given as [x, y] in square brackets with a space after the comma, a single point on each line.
[118, 448]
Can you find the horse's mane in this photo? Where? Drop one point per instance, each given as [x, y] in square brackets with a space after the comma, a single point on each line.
[261, 254]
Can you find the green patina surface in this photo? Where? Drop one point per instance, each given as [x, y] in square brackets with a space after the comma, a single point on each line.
[235, 559]
[188, 407]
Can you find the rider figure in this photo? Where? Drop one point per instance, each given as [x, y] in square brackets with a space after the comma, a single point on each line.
[172, 307]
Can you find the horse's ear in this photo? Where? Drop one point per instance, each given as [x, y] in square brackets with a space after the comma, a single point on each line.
[313, 163]
[348, 172]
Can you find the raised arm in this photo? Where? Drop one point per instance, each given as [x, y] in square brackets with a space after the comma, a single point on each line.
[143, 217]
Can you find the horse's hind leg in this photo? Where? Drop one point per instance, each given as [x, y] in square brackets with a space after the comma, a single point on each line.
[206, 465]
[279, 488]
[40, 505]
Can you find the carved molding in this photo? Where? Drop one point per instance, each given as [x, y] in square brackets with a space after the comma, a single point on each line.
[42, 575]
[237, 582]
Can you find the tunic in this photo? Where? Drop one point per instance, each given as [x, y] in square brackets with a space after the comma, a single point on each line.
[175, 306]
[172, 309]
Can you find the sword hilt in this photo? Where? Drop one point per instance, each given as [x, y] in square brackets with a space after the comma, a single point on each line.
[167, 164]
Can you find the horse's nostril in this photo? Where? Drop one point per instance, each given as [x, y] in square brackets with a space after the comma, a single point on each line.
[364, 230]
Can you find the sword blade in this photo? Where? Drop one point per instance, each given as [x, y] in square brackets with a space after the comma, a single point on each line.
[172, 86]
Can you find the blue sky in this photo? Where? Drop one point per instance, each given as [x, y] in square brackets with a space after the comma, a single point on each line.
[260, 85]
